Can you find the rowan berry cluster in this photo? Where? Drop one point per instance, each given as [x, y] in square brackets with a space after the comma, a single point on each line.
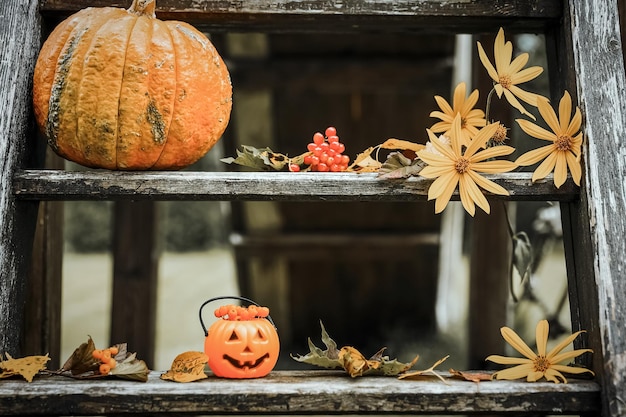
[233, 312]
[106, 357]
[325, 153]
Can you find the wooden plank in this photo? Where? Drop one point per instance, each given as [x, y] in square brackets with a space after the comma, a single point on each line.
[342, 16]
[261, 186]
[42, 321]
[135, 276]
[596, 227]
[293, 393]
[20, 36]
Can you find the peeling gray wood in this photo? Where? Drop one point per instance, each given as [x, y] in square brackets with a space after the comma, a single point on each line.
[296, 392]
[601, 89]
[19, 44]
[342, 16]
[186, 185]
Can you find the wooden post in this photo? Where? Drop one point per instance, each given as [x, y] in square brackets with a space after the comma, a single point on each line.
[20, 37]
[42, 332]
[594, 227]
[135, 266]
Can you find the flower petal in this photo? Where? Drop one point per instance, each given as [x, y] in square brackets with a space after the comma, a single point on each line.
[528, 97]
[481, 139]
[474, 192]
[516, 372]
[517, 343]
[441, 115]
[469, 104]
[548, 114]
[535, 131]
[516, 104]
[526, 75]
[534, 156]
[545, 167]
[541, 336]
[574, 125]
[443, 186]
[535, 376]
[555, 376]
[518, 63]
[569, 355]
[494, 167]
[487, 64]
[574, 167]
[433, 171]
[487, 185]
[458, 97]
[565, 111]
[466, 198]
[492, 152]
[443, 104]
[507, 360]
[572, 369]
[563, 344]
[560, 169]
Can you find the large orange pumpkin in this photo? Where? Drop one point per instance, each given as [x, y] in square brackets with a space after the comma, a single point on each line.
[120, 89]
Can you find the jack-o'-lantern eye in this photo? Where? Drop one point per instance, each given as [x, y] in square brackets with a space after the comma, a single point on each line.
[260, 335]
[233, 337]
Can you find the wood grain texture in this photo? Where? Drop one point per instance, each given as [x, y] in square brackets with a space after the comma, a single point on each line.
[293, 393]
[283, 186]
[601, 88]
[19, 42]
[341, 16]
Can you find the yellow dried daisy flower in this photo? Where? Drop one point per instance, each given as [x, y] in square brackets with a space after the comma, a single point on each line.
[471, 118]
[508, 74]
[564, 151]
[452, 165]
[541, 364]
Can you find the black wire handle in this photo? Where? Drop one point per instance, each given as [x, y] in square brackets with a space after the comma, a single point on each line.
[228, 297]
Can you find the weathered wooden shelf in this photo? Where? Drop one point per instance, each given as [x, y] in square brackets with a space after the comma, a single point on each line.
[346, 16]
[261, 186]
[295, 392]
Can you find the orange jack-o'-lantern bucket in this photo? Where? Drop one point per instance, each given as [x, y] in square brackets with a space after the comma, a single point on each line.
[243, 342]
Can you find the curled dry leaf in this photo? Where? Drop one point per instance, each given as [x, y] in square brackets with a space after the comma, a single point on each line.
[27, 367]
[187, 367]
[351, 360]
[471, 376]
[425, 372]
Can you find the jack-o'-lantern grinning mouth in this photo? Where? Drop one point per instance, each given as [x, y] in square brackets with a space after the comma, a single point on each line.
[247, 364]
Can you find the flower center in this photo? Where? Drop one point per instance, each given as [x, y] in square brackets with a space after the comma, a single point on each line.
[500, 134]
[541, 364]
[505, 81]
[463, 122]
[563, 143]
[461, 165]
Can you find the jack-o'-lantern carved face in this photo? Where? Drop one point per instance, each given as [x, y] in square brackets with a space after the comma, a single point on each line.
[242, 348]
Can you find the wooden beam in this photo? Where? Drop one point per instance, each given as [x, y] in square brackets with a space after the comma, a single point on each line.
[296, 393]
[135, 277]
[20, 36]
[324, 16]
[260, 186]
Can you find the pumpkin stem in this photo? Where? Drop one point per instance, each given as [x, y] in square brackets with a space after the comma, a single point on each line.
[143, 8]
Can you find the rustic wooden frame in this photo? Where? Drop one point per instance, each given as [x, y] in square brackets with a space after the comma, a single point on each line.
[586, 38]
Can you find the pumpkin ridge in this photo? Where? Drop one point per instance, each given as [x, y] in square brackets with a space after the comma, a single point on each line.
[59, 84]
[94, 30]
[165, 28]
[119, 96]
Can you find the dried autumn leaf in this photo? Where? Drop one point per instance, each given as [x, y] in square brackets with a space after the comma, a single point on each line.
[398, 166]
[351, 360]
[471, 376]
[82, 361]
[400, 144]
[27, 367]
[187, 367]
[355, 363]
[131, 368]
[263, 159]
[431, 371]
[364, 162]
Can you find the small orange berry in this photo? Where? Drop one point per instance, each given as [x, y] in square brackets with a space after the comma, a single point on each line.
[114, 350]
[112, 363]
[97, 354]
[105, 369]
